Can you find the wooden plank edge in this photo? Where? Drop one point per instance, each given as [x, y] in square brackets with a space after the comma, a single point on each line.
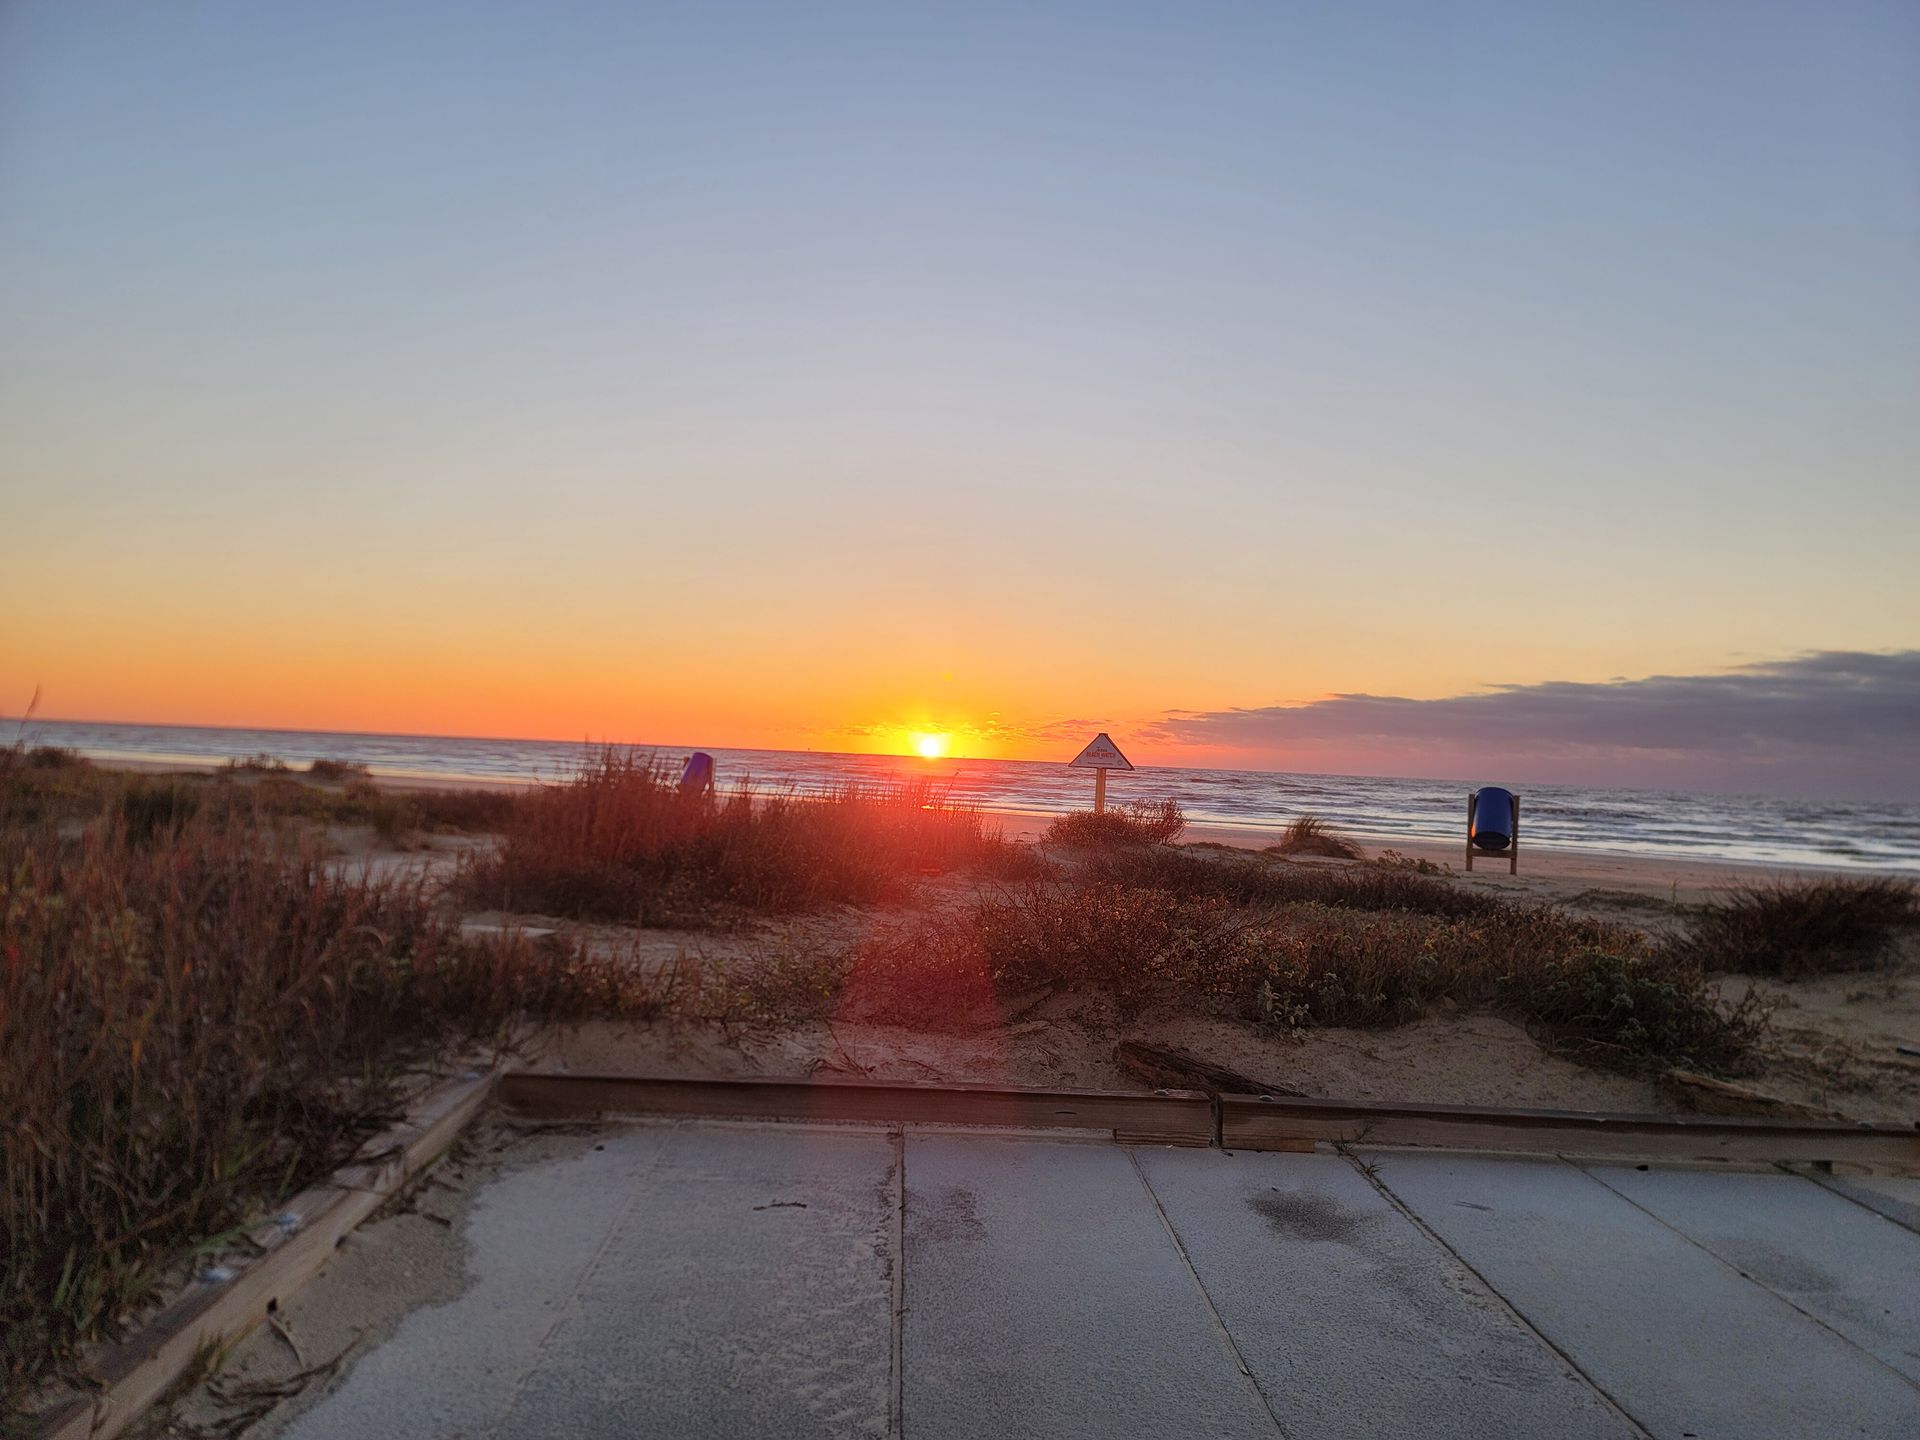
[1236, 1121]
[1179, 1117]
[295, 1244]
[1253, 1122]
[1521, 1117]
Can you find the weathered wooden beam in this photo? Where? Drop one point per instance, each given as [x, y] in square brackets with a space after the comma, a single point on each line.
[216, 1312]
[1277, 1122]
[1165, 1117]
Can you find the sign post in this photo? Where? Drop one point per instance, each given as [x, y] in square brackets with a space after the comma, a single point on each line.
[1100, 756]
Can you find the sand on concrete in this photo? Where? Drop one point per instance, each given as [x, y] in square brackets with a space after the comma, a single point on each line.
[413, 1252]
[706, 1278]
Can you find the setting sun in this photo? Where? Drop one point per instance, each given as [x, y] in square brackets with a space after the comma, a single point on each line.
[930, 747]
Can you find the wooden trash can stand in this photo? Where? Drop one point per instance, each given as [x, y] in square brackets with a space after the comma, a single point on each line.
[1493, 825]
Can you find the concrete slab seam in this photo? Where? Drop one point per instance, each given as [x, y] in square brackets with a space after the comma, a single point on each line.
[896, 1393]
[1831, 1185]
[1748, 1276]
[1371, 1174]
[1220, 1325]
[586, 1273]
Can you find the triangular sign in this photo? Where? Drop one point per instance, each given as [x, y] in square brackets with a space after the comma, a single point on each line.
[1101, 754]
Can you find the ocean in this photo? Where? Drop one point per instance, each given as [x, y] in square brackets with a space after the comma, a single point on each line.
[1745, 828]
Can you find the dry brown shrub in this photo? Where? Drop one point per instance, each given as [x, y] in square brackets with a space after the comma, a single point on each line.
[202, 1018]
[1796, 928]
[1145, 822]
[621, 841]
[1310, 835]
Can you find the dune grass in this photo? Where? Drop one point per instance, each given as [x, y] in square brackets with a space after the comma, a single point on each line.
[619, 841]
[197, 1016]
[1180, 931]
[394, 815]
[1246, 880]
[54, 784]
[338, 771]
[48, 757]
[1310, 835]
[261, 764]
[1120, 827]
[1795, 929]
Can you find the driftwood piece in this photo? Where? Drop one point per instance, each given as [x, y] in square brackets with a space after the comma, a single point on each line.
[1720, 1097]
[1162, 1066]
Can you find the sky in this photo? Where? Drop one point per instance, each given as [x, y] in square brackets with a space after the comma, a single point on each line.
[1227, 376]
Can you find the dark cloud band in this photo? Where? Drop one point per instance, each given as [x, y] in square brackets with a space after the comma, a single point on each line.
[1839, 713]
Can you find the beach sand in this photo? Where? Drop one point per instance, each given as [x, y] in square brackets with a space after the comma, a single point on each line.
[1834, 1050]
[1547, 872]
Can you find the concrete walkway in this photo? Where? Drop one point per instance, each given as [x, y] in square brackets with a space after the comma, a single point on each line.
[748, 1280]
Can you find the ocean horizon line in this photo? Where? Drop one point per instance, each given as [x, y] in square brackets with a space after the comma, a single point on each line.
[1743, 828]
[676, 747]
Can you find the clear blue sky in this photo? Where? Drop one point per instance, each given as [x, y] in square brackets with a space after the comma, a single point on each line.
[907, 355]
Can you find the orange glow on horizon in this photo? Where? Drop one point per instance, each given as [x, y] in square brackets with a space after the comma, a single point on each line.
[269, 636]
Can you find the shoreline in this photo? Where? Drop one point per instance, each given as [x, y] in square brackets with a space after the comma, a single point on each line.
[1543, 865]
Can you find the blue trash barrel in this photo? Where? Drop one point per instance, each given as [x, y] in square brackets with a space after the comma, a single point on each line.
[1492, 818]
[698, 776]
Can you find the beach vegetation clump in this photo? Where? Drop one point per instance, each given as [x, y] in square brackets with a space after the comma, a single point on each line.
[262, 763]
[393, 815]
[336, 771]
[1244, 880]
[1585, 984]
[621, 841]
[54, 784]
[1799, 928]
[786, 982]
[154, 805]
[1144, 822]
[472, 811]
[202, 1020]
[1419, 864]
[1133, 944]
[1310, 835]
[52, 757]
[1303, 963]
[1644, 1010]
[964, 967]
[74, 789]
